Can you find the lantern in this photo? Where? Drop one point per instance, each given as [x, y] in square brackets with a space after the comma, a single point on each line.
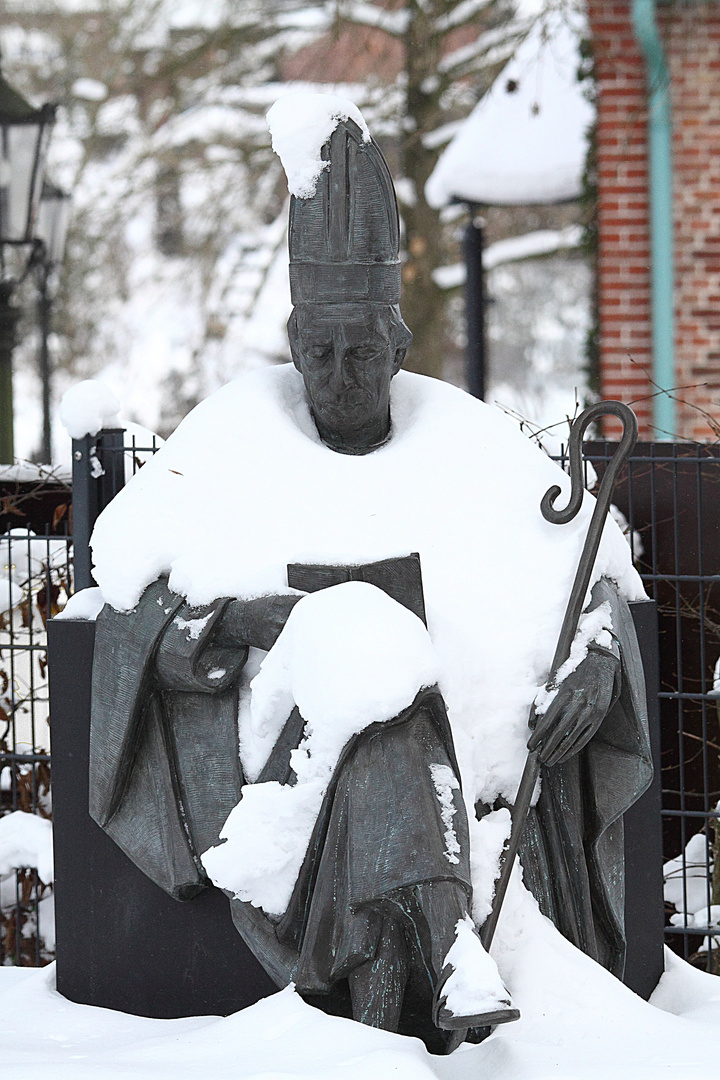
[24, 136]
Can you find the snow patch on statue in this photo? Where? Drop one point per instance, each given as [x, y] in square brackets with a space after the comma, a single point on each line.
[445, 784]
[594, 628]
[488, 837]
[348, 657]
[300, 124]
[474, 985]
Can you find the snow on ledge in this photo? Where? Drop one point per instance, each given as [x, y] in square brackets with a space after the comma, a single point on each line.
[26, 840]
[86, 604]
[27, 472]
[514, 249]
[300, 125]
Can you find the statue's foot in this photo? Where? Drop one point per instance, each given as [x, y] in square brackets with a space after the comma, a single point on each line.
[457, 1014]
[470, 992]
[449, 1021]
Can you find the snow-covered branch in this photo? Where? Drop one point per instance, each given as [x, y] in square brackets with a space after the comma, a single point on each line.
[493, 47]
[364, 14]
[461, 14]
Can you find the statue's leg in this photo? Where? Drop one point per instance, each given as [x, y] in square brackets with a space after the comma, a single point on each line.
[377, 987]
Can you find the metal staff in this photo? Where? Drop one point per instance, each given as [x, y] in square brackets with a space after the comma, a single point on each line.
[573, 610]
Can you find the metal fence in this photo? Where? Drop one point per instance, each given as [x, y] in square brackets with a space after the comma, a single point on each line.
[668, 494]
[35, 582]
[38, 574]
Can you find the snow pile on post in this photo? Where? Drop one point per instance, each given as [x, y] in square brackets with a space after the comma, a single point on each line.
[87, 407]
[26, 840]
[300, 125]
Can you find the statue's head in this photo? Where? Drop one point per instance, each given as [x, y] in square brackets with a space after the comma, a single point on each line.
[346, 333]
[347, 355]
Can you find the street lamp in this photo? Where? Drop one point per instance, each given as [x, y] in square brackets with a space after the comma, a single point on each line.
[53, 219]
[51, 230]
[475, 303]
[24, 135]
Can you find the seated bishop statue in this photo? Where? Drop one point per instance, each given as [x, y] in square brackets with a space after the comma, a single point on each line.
[331, 600]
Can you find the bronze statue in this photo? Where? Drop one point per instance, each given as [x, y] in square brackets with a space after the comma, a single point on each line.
[377, 904]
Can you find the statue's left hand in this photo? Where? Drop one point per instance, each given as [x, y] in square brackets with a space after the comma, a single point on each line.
[257, 622]
[578, 709]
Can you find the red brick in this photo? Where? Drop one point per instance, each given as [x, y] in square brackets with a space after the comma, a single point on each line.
[692, 38]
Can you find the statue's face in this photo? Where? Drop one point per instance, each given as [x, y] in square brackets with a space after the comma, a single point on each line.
[347, 356]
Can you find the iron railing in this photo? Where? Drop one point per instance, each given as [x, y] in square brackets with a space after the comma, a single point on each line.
[669, 495]
[35, 582]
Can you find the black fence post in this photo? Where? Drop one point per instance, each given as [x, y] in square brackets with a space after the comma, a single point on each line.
[110, 451]
[97, 476]
[85, 509]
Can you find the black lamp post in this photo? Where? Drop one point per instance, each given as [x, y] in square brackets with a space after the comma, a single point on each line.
[51, 230]
[475, 304]
[24, 136]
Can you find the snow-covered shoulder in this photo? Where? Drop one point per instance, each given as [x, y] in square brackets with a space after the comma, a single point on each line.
[244, 448]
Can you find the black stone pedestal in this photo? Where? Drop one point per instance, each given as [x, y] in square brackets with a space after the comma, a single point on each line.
[123, 943]
[644, 903]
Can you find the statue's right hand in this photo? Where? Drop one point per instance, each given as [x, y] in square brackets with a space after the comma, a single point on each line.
[257, 622]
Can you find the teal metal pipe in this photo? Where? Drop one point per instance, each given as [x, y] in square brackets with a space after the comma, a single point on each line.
[661, 213]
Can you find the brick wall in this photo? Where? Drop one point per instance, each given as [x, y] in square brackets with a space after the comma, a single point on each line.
[692, 37]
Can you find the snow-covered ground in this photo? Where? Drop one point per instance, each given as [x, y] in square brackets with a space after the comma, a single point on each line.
[578, 1023]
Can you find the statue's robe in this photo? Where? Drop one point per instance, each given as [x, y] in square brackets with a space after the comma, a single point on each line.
[457, 484]
[165, 773]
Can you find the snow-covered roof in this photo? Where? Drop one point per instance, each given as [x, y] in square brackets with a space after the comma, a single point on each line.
[525, 141]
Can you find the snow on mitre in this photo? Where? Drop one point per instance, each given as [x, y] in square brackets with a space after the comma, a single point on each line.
[344, 233]
[300, 125]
